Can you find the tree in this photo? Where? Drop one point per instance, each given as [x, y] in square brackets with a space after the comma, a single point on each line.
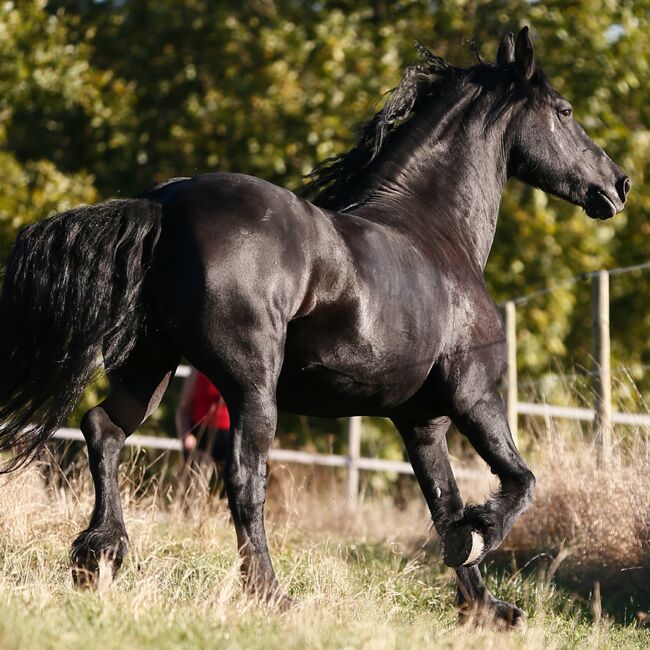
[106, 98]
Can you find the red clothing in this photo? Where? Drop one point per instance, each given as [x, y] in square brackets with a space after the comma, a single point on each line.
[207, 401]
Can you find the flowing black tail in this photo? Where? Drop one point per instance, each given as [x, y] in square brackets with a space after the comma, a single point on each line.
[72, 288]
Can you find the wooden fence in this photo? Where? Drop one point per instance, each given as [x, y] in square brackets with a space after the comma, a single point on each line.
[601, 413]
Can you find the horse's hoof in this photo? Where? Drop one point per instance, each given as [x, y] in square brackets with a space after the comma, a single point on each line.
[266, 590]
[84, 577]
[509, 617]
[276, 599]
[95, 560]
[463, 546]
[495, 614]
[94, 575]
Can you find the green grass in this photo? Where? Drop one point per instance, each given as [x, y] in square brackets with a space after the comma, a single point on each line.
[363, 582]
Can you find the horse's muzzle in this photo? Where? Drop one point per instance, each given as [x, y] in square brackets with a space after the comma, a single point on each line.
[604, 203]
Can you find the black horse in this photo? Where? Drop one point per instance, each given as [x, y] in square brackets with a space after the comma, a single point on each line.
[369, 300]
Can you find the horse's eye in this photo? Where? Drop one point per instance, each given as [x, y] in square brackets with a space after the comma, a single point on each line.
[567, 111]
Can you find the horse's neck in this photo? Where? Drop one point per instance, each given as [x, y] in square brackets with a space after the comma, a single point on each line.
[443, 181]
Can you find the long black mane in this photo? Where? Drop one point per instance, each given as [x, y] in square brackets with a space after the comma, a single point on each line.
[328, 180]
[332, 182]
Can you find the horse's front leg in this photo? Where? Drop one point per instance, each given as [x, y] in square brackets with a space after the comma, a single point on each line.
[426, 445]
[480, 415]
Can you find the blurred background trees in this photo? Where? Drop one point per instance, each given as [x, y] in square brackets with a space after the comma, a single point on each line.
[100, 98]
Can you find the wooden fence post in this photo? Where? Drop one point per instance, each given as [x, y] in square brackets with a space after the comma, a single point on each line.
[511, 369]
[354, 452]
[602, 359]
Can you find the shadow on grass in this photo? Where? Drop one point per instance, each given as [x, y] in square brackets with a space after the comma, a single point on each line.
[530, 580]
[621, 594]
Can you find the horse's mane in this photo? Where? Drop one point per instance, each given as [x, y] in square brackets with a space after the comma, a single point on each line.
[328, 180]
[333, 181]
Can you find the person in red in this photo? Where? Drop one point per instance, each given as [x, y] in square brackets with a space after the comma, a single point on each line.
[202, 421]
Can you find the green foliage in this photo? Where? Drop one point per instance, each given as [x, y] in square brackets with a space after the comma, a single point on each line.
[53, 105]
[106, 98]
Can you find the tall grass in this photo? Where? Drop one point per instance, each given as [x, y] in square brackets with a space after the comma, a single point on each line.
[369, 579]
[591, 521]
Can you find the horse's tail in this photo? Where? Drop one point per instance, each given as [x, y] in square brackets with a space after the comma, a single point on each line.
[72, 288]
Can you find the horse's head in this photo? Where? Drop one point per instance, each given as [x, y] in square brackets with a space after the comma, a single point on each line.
[549, 149]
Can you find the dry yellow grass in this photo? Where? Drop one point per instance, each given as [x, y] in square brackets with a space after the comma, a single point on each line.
[370, 580]
[595, 519]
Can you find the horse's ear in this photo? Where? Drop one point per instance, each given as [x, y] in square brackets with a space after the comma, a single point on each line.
[506, 51]
[524, 55]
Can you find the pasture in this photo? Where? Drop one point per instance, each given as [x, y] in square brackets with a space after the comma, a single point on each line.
[359, 288]
[373, 579]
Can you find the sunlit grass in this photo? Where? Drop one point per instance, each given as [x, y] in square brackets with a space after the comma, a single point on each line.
[372, 579]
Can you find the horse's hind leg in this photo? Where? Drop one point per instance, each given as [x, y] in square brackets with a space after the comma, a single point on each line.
[246, 370]
[105, 539]
[426, 445]
[252, 431]
[136, 390]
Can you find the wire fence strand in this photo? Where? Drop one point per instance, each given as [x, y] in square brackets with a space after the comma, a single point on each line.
[569, 282]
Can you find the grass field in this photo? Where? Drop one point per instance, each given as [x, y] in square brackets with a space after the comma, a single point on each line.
[370, 580]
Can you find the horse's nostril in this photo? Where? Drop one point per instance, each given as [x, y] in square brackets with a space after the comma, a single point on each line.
[623, 186]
